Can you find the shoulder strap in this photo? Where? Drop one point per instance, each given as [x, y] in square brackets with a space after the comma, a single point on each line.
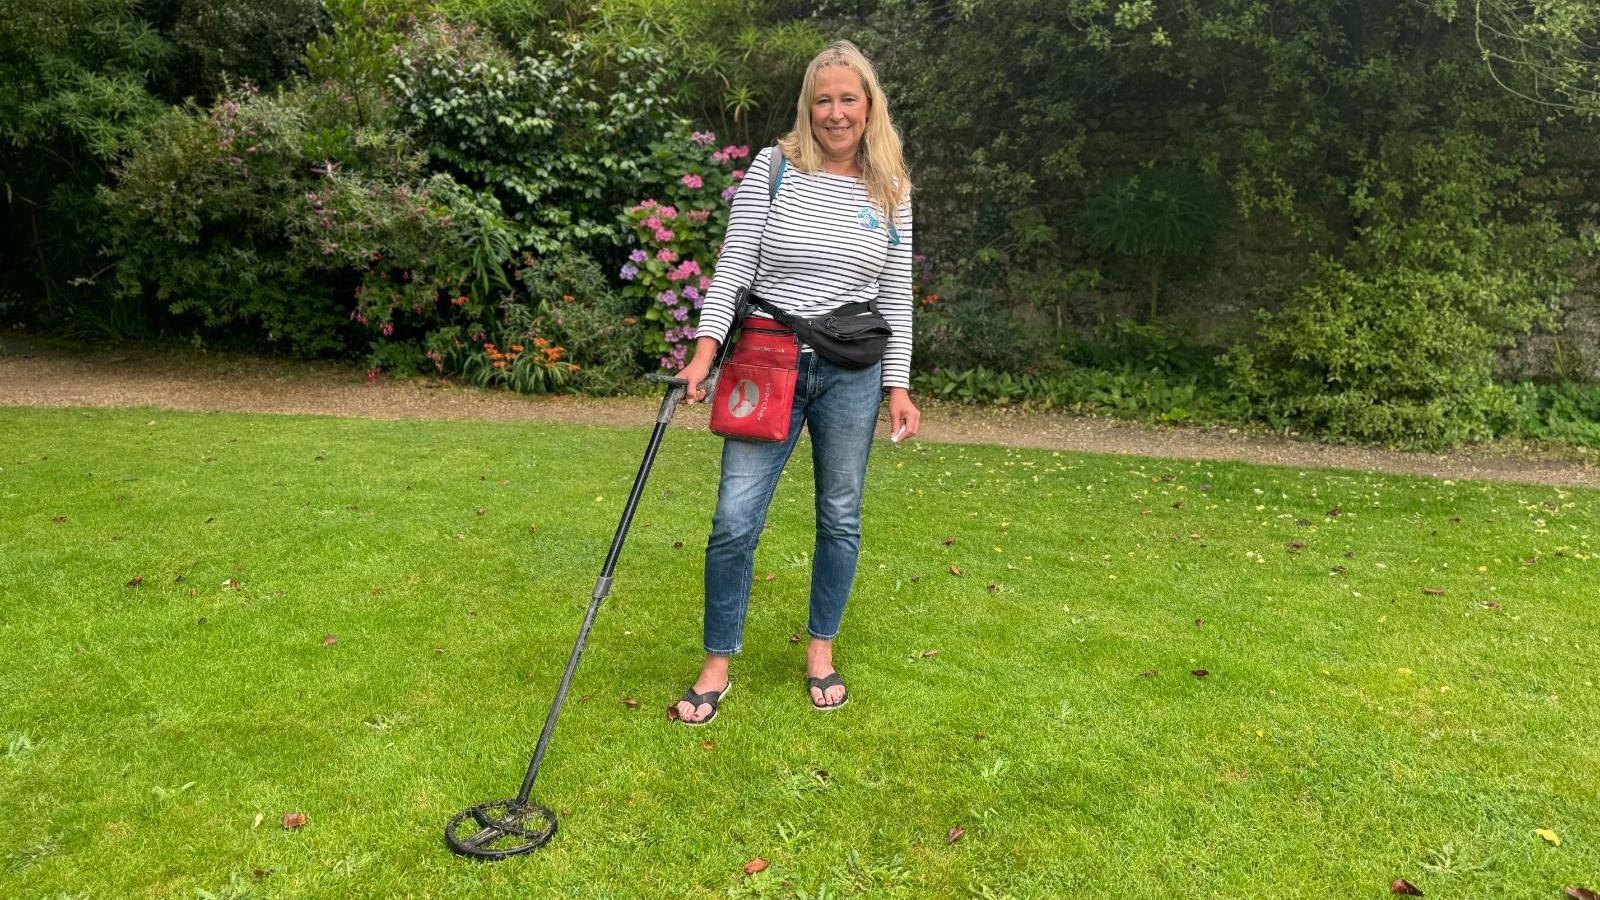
[775, 178]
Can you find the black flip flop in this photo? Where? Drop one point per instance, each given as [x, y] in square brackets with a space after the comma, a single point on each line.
[711, 698]
[822, 684]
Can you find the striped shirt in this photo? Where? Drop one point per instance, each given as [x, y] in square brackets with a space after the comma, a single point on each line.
[819, 245]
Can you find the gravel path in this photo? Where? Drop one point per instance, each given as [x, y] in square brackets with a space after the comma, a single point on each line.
[37, 373]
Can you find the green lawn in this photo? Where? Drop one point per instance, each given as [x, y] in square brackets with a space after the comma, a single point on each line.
[1354, 728]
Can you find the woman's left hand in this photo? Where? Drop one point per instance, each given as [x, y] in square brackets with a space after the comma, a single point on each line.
[903, 414]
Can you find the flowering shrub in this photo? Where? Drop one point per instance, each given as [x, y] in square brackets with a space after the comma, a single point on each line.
[678, 238]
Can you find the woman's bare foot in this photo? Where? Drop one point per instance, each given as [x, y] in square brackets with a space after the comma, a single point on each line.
[819, 664]
[713, 677]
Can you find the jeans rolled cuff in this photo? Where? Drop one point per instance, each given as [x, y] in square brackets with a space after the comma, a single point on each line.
[821, 637]
[733, 652]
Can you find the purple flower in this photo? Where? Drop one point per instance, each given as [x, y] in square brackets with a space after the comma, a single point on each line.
[667, 298]
[680, 313]
[629, 272]
[729, 191]
[690, 292]
[638, 256]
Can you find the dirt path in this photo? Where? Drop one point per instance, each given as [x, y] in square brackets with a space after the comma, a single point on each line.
[36, 373]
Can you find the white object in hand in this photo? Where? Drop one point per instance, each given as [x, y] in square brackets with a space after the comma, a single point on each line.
[895, 438]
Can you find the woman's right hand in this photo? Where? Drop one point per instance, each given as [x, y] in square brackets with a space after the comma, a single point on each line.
[694, 373]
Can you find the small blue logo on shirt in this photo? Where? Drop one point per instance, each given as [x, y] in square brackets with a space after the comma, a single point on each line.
[868, 218]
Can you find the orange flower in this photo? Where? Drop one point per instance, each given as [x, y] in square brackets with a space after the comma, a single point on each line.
[541, 342]
[630, 321]
[517, 347]
[566, 298]
[500, 364]
[571, 367]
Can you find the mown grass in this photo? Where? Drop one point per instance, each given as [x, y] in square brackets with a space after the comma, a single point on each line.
[1352, 729]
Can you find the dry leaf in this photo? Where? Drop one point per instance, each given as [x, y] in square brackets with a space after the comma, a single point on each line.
[1199, 623]
[585, 698]
[1148, 673]
[1296, 546]
[630, 703]
[1581, 893]
[1200, 673]
[135, 581]
[929, 653]
[994, 588]
[771, 575]
[1194, 535]
[1490, 604]
[1336, 512]
[948, 541]
[329, 640]
[59, 520]
[755, 865]
[292, 821]
[955, 570]
[673, 714]
[1178, 505]
[677, 545]
[708, 745]
[980, 735]
[1548, 835]
[480, 510]
[231, 584]
[1402, 886]
[1144, 512]
[954, 834]
[262, 873]
[1433, 592]
[795, 638]
[260, 817]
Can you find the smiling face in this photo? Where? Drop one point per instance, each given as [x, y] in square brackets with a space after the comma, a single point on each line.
[839, 113]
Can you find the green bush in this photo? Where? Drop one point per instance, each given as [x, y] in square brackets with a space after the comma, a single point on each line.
[1569, 413]
[231, 41]
[561, 140]
[1130, 392]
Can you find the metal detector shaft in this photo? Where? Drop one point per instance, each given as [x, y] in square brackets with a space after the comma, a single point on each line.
[676, 390]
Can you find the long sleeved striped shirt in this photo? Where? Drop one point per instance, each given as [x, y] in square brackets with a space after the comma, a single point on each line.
[819, 245]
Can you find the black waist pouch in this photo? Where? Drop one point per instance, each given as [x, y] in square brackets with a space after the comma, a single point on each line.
[853, 336]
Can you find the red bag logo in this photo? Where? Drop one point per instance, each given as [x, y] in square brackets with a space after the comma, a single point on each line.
[744, 399]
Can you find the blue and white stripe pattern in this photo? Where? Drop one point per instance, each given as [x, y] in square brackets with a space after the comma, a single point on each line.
[818, 246]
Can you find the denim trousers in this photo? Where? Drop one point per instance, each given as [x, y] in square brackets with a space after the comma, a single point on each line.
[839, 408]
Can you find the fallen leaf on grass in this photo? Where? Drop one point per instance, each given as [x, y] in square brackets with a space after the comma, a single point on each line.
[1335, 512]
[993, 589]
[770, 576]
[1402, 886]
[232, 584]
[329, 640]
[292, 821]
[954, 834]
[260, 817]
[677, 545]
[1194, 535]
[795, 638]
[1178, 505]
[926, 654]
[262, 873]
[708, 744]
[481, 510]
[1548, 835]
[673, 714]
[1148, 673]
[59, 520]
[1144, 512]
[585, 698]
[1296, 546]
[1199, 623]
[755, 865]
[980, 735]
[1490, 604]
[948, 541]
[1433, 592]
[630, 703]
[955, 570]
[135, 581]
[1200, 673]
[1581, 893]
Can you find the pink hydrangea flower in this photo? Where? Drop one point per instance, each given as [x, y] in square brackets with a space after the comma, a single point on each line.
[668, 212]
[652, 223]
[667, 254]
[738, 174]
[664, 234]
[691, 181]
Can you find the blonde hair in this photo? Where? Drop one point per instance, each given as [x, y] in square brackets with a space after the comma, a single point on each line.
[883, 166]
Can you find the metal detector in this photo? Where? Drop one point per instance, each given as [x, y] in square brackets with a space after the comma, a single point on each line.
[503, 828]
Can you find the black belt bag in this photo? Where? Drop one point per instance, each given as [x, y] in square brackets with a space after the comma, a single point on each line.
[853, 336]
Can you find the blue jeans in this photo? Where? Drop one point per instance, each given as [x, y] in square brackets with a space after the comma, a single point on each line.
[839, 407]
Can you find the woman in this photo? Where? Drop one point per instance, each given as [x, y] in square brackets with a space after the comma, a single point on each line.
[838, 231]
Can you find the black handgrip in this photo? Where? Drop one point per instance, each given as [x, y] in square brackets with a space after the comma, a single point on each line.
[667, 379]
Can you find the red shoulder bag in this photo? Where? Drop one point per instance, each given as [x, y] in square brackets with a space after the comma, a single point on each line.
[755, 390]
